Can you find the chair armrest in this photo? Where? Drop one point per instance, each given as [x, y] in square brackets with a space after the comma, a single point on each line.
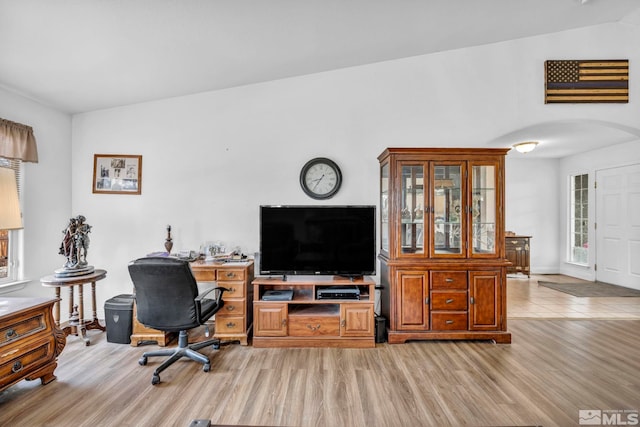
[202, 296]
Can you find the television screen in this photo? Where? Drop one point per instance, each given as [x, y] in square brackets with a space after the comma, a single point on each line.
[318, 240]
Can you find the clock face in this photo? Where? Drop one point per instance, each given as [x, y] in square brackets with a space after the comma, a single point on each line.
[320, 178]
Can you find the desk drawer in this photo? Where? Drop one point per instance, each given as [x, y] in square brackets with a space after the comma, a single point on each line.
[232, 308]
[449, 280]
[518, 243]
[449, 321]
[231, 274]
[229, 324]
[235, 289]
[449, 300]
[207, 275]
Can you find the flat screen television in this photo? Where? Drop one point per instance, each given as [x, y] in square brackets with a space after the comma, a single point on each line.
[318, 240]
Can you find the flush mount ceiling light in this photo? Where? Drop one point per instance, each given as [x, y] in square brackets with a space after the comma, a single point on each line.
[525, 147]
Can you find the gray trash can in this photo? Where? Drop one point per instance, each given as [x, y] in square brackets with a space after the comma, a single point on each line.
[118, 313]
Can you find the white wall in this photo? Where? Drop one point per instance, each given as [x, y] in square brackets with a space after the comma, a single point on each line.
[47, 188]
[588, 162]
[210, 159]
[532, 194]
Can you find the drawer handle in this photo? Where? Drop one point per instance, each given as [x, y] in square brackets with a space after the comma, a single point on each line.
[231, 290]
[11, 333]
[230, 274]
[449, 301]
[313, 328]
[230, 325]
[343, 323]
[17, 367]
[231, 307]
[449, 322]
[284, 322]
[448, 280]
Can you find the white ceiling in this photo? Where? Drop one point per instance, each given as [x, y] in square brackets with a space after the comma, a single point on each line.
[84, 55]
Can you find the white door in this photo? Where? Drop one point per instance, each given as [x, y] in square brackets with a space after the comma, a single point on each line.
[618, 226]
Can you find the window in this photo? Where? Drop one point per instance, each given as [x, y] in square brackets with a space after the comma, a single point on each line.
[579, 220]
[10, 240]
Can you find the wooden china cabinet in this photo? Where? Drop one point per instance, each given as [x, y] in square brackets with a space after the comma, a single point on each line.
[442, 254]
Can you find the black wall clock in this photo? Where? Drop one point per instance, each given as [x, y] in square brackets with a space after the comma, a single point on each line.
[320, 178]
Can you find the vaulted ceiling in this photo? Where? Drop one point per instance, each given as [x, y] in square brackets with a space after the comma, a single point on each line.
[84, 55]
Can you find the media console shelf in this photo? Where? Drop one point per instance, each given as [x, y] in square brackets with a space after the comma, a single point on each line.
[306, 321]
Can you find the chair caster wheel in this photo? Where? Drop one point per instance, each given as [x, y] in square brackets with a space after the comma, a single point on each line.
[216, 346]
[206, 367]
[142, 361]
[155, 380]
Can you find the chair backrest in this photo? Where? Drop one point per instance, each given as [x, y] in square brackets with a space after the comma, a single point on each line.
[165, 293]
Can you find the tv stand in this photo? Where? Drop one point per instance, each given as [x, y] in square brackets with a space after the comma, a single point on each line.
[306, 321]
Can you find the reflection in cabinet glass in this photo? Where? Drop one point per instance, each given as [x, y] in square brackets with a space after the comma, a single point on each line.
[384, 208]
[412, 224]
[447, 209]
[483, 209]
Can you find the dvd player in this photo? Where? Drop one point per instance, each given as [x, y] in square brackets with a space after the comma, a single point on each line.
[338, 293]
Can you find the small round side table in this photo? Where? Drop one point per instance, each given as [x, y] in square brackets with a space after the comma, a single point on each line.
[77, 325]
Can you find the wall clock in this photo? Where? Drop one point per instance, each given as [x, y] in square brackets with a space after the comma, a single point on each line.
[320, 178]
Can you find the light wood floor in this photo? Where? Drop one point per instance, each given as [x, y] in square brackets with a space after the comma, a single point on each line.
[554, 368]
[526, 299]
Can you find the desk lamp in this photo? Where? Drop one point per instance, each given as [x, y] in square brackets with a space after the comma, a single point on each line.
[10, 216]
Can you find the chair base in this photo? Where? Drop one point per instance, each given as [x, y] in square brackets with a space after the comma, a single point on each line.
[183, 350]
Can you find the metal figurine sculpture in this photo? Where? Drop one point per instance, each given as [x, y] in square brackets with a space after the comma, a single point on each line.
[74, 246]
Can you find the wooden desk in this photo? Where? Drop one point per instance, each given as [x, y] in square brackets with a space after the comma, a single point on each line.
[517, 250]
[233, 322]
[30, 342]
[77, 325]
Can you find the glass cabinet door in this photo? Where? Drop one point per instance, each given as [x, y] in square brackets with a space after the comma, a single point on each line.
[384, 208]
[483, 210]
[412, 209]
[447, 211]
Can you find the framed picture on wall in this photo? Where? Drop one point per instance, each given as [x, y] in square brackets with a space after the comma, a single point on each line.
[117, 174]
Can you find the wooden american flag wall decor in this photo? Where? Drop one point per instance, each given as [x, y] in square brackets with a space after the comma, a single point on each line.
[578, 81]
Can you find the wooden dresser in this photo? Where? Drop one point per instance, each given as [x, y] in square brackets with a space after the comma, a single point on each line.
[518, 253]
[235, 319]
[30, 342]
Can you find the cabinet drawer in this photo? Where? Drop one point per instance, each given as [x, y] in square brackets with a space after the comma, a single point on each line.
[449, 300]
[232, 308]
[311, 326]
[22, 328]
[231, 274]
[235, 289]
[449, 280]
[315, 320]
[229, 324]
[445, 321]
[21, 360]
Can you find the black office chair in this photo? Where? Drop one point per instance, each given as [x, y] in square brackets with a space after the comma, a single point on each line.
[167, 299]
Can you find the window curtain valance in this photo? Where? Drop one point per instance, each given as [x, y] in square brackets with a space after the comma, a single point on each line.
[17, 142]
